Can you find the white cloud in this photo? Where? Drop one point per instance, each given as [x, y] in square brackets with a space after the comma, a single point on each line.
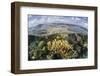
[58, 19]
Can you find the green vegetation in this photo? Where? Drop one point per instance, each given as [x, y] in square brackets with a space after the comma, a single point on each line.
[58, 46]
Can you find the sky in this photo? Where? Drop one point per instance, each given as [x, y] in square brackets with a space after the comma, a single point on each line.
[34, 20]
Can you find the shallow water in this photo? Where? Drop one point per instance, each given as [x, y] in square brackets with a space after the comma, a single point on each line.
[58, 46]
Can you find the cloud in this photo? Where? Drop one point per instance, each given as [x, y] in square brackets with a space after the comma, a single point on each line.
[34, 20]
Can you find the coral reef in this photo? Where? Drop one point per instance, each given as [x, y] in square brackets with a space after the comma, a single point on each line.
[58, 46]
